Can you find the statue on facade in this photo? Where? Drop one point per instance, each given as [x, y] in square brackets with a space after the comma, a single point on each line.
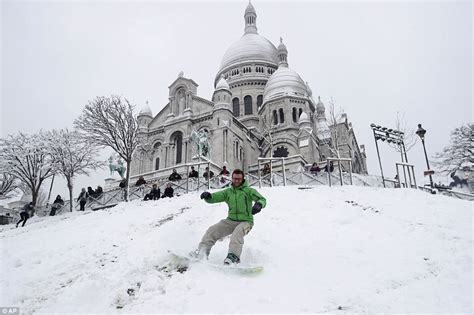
[118, 166]
[202, 143]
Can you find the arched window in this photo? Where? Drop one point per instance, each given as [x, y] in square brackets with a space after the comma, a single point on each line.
[295, 119]
[282, 116]
[248, 105]
[157, 163]
[157, 145]
[299, 112]
[275, 117]
[236, 107]
[280, 152]
[259, 101]
[177, 141]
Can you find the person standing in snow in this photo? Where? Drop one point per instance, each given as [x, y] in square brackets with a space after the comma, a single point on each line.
[82, 199]
[25, 213]
[239, 222]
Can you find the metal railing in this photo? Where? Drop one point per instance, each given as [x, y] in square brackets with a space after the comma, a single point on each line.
[292, 170]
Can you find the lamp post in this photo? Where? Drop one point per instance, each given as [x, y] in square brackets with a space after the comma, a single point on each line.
[421, 133]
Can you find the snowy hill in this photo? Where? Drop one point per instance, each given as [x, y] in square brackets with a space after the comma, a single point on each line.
[339, 249]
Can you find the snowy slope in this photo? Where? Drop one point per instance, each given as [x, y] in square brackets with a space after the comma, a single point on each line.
[324, 249]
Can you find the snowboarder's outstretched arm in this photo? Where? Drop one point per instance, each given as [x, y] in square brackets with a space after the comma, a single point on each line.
[216, 197]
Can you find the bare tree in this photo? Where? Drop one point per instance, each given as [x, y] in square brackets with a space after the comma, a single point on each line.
[72, 156]
[408, 137]
[9, 184]
[267, 135]
[459, 154]
[110, 122]
[28, 159]
[333, 121]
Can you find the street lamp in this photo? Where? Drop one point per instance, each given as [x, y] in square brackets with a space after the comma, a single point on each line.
[421, 133]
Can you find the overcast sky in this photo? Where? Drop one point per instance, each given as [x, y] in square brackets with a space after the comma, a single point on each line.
[373, 58]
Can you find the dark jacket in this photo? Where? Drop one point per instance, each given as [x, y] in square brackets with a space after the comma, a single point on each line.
[174, 177]
[239, 200]
[90, 191]
[331, 167]
[123, 183]
[224, 172]
[27, 208]
[99, 191]
[168, 192]
[58, 202]
[155, 193]
[140, 181]
[205, 174]
[194, 174]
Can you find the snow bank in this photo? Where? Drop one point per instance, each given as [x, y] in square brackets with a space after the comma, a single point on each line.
[355, 249]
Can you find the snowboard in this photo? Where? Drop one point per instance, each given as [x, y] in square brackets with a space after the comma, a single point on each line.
[182, 263]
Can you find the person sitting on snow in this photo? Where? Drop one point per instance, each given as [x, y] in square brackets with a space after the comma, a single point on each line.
[169, 191]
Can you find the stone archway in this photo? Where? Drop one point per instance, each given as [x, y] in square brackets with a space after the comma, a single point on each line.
[176, 140]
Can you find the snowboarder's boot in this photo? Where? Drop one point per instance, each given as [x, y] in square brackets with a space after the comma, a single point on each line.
[231, 259]
[200, 253]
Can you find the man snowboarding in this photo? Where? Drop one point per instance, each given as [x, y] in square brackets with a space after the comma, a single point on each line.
[239, 221]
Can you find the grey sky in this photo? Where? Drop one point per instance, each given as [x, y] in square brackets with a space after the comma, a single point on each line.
[373, 58]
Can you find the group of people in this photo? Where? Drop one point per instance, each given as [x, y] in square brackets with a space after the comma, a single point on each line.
[315, 169]
[88, 195]
[208, 174]
[155, 192]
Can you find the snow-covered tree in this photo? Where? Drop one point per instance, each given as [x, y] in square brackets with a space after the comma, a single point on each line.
[72, 155]
[110, 122]
[27, 158]
[459, 154]
[9, 184]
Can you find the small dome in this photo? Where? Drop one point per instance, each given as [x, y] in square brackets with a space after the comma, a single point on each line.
[284, 82]
[320, 106]
[250, 47]
[282, 47]
[145, 111]
[250, 9]
[222, 84]
[304, 118]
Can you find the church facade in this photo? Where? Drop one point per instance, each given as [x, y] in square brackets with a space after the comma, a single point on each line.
[260, 108]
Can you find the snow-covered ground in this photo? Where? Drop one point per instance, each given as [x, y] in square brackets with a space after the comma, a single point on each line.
[339, 249]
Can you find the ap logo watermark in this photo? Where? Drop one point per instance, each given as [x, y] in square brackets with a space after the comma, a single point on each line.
[9, 310]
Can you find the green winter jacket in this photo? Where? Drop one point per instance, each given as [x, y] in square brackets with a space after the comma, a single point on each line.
[239, 201]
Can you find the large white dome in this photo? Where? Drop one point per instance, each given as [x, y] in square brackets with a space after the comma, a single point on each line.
[250, 47]
[284, 82]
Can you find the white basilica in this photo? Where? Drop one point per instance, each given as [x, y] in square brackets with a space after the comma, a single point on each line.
[260, 108]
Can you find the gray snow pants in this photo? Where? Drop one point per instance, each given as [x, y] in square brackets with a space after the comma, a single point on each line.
[223, 228]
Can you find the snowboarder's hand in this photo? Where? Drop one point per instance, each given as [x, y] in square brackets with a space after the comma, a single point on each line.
[256, 208]
[206, 195]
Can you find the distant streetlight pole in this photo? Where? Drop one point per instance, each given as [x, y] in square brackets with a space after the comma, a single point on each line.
[421, 133]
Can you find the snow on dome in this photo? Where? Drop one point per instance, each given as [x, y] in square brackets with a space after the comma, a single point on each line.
[284, 81]
[222, 84]
[310, 92]
[250, 47]
[146, 111]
